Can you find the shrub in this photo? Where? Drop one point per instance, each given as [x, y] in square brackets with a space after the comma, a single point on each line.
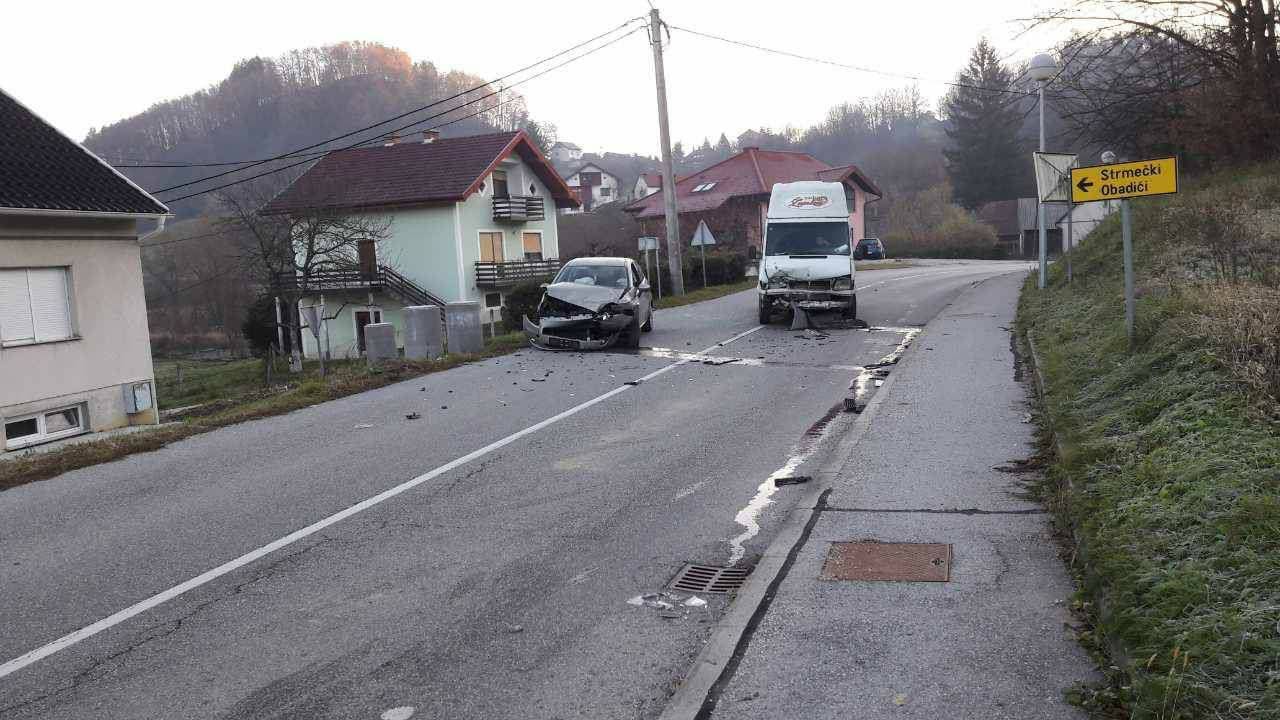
[259, 326]
[521, 300]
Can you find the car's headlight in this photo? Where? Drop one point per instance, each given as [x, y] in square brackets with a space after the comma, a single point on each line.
[777, 284]
[842, 283]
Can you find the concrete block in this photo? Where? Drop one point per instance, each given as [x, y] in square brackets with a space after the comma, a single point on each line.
[423, 332]
[465, 334]
[379, 342]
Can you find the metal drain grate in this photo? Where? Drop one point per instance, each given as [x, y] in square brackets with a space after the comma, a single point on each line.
[709, 579]
[889, 562]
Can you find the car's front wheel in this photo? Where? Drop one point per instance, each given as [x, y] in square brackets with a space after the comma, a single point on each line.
[851, 310]
[766, 311]
[631, 336]
[648, 323]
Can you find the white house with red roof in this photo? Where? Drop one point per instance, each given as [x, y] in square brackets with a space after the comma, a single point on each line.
[471, 217]
[732, 196]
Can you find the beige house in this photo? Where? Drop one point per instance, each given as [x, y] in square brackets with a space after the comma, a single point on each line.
[75, 355]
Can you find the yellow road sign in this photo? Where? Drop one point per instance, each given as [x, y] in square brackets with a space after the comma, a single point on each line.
[1124, 180]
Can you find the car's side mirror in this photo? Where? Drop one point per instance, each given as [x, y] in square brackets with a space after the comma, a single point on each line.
[644, 285]
[543, 286]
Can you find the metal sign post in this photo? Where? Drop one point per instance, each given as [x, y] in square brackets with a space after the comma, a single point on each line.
[649, 244]
[1126, 230]
[1121, 181]
[1053, 184]
[702, 237]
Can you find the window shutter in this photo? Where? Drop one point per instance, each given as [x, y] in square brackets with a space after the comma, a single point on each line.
[49, 307]
[532, 242]
[16, 323]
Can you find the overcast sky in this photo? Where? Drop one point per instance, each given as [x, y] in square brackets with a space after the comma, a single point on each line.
[87, 64]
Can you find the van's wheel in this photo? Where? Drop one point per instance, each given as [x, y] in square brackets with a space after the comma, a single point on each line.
[851, 310]
[766, 311]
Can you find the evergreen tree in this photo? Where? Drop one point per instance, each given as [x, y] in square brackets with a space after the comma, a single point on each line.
[723, 147]
[987, 160]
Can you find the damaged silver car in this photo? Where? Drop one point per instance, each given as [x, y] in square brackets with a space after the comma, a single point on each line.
[592, 304]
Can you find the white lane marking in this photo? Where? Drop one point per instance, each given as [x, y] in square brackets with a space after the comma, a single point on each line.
[164, 596]
[400, 713]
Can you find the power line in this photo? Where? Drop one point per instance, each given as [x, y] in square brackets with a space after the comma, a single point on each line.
[845, 66]
[295, 153]
[420, 121]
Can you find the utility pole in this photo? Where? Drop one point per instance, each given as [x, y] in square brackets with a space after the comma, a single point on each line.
[674, 265]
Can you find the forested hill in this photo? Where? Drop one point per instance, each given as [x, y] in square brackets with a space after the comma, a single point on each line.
[268, 106]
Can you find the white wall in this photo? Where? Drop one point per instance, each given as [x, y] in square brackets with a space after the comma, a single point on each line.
[109, 314]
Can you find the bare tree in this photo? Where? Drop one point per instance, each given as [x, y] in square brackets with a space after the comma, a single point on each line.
[1199, 76]
[291, 253]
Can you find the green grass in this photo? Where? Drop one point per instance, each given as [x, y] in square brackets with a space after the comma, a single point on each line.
[1170, 478]
[233, 392]
[701, 294]
[209, 380]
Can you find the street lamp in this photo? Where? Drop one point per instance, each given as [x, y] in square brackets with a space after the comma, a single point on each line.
[1043, 69]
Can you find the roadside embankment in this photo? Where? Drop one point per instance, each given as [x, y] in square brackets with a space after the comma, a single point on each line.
[1168, 464]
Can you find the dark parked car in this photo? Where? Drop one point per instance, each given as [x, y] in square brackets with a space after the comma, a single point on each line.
[869, 249]
[592, 304]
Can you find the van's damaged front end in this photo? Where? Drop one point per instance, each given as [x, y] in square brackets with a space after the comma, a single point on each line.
[578, 317]
[826, 294]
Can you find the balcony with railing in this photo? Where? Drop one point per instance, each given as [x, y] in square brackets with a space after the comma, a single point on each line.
[519, 208]
[503, 274]
[378, 279]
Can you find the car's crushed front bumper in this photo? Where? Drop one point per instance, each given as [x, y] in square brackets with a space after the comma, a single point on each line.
[585, 332]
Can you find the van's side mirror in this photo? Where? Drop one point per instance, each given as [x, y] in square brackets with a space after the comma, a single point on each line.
[543, 286]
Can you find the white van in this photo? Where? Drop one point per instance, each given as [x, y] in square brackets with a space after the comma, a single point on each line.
[808, 258]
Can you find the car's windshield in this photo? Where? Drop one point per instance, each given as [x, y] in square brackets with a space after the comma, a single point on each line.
[606, 275]
[825, 238]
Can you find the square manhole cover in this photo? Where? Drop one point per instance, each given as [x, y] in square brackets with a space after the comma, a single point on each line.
[888, 562]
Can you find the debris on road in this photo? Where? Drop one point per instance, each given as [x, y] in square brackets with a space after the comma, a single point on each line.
[791, 480]
[412, 416]
[364, 426]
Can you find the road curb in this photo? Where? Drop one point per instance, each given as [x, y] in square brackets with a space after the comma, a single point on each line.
[718, 652]
[1119, 654]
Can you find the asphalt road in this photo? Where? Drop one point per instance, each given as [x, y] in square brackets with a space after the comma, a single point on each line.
[493, 588]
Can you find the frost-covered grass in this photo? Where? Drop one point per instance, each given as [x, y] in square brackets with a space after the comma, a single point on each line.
[1172, 455]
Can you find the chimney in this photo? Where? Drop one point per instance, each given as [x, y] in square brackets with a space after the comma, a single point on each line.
[430, 136]
[392, 139]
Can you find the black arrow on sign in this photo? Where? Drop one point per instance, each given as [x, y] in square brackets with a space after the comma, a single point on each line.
[1084, 184]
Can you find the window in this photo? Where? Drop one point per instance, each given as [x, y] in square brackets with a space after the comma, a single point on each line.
[605, 191]
[491, 246]
[35, 305]
[500, 184]
[704, 187]
[532, 242]
[43, 427]
[820, 238]
[493, 300]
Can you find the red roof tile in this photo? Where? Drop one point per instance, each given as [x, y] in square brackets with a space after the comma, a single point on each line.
[412, 173]
[750, 172]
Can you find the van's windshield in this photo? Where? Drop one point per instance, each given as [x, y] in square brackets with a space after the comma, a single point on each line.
[822, 238]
